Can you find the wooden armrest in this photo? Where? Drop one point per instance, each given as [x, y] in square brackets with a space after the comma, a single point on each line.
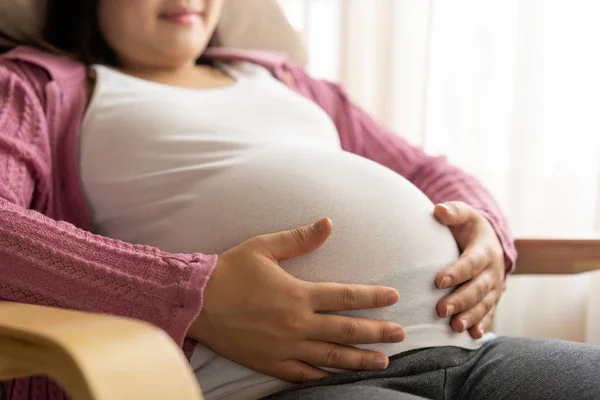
[557, 256]
[93, 357]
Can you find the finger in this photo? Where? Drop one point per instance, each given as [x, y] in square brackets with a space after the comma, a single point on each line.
[463, 321]
[470, 264]
[293, 243]
[340, 297]
[343, 357]
[347, 330]
[466, 296]
[298, 372]
[453, 213]
[477, 331]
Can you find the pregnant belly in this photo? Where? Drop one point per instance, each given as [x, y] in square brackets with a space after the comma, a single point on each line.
[384, 231]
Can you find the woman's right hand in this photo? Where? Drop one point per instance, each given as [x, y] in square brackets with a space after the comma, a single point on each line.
[258, 315]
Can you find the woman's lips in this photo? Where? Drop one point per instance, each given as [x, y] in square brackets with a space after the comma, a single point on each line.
[182, 17]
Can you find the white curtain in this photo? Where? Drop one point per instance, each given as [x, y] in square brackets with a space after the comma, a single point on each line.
[507, 89]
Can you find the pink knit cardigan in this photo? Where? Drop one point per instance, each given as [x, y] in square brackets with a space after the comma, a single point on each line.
[49, 257]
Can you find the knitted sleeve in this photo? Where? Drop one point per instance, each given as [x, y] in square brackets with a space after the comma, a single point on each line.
[52, 263]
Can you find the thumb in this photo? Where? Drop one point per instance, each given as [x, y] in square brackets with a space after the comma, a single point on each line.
[453, 213]
[293, 243]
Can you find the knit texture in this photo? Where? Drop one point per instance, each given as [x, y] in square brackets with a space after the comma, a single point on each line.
[45, 256]
[49, 257]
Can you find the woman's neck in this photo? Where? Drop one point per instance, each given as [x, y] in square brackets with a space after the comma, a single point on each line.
[187, 76]
[145, 69]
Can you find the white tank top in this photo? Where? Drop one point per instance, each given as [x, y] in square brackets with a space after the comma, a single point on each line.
[189, 170]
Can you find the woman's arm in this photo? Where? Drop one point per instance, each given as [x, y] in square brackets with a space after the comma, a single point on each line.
[362, 135]
[46, 262]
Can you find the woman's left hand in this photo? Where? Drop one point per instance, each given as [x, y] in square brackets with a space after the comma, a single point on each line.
[478, 273]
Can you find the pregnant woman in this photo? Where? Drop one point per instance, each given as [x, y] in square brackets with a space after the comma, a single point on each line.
[199, 173]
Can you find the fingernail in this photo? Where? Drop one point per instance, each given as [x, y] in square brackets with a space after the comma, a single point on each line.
[446, 283]
[447, 207]
[398, 335]
[481, 329]
[381, 362]
[391, 298]
[465, 324]
[450, 310]
[318, 226]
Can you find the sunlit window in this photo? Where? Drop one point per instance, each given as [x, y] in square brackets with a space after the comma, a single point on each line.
[295, 10]
[319, 23]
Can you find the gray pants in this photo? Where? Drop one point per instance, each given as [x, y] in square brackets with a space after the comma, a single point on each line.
[505, 368]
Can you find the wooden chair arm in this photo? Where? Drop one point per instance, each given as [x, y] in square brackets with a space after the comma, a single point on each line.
[557, 256]
[93, 357]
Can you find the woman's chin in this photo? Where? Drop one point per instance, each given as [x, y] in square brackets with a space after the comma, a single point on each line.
[181, 51]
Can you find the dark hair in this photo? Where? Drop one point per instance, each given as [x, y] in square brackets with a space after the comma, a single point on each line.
[72, 26]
